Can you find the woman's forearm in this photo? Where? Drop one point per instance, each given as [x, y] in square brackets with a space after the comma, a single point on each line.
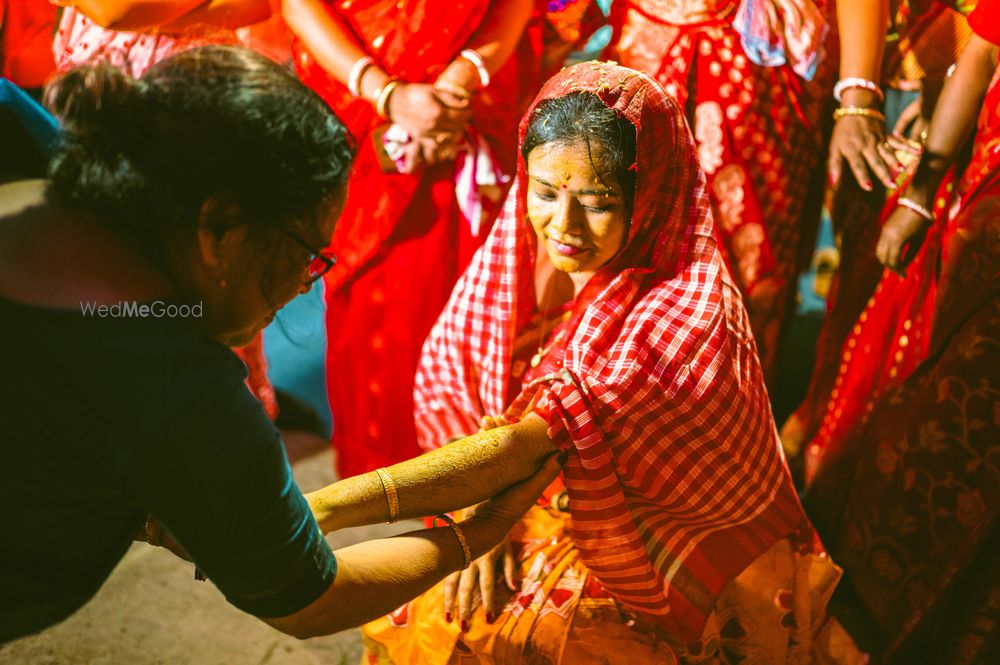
[326, 37]
[377, 576]
[862, 25]
[134, 15]
[454, 476]
[500, 32]
[495, 40]
[954, 115]
[229, 14]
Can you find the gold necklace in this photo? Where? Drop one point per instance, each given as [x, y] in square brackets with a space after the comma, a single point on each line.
[536, 359]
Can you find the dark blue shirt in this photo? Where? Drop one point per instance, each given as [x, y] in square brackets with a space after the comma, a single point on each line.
[108, 419]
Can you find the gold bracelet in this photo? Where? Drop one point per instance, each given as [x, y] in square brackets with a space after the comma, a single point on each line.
[862, 111]
[466, 552]
[389, 487]
[382, 100]
[153, 531]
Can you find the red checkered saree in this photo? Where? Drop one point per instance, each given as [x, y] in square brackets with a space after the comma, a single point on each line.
[677, 482]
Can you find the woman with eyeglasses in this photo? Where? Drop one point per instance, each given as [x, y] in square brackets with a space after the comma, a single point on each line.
[124, 278]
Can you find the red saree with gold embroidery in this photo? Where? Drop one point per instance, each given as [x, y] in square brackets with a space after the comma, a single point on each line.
[906, 487]
[403, 240]
[759, 140]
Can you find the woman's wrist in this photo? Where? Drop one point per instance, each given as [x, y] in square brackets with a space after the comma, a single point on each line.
[927, 177]
[921, 193]
[483, 533]
[860, 97]
[462, 73]
[372, 82]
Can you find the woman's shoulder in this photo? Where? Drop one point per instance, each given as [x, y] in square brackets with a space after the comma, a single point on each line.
[56, 257]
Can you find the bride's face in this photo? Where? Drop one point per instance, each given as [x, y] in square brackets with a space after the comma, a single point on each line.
[578, 214]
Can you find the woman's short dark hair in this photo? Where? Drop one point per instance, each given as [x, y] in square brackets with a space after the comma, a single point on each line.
[583, 117]
[144, 154]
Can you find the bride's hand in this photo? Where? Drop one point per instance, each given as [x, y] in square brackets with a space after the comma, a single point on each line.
[483, 572]
[483, 569]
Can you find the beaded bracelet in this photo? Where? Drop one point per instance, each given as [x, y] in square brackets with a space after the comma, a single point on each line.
[480, 65]
[862, 111]
[857, 82]
[357, 72]
[916, 207]
[466, 552]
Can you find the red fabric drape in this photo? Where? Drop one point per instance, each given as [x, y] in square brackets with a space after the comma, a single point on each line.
[26, 30]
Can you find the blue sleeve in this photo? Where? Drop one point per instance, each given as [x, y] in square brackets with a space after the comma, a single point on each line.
[220, 483]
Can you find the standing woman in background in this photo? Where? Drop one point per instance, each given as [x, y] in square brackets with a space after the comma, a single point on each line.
[894, 55]
[136, 35]
[907, 489]
[753, 96]
[431, 90]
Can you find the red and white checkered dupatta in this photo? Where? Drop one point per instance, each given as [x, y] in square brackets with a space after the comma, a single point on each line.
[678, 481]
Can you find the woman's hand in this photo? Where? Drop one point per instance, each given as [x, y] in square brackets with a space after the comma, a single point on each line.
[507, 508]
[912, 123]
[413, 157]
[483, 571]
[867, 148]
[438, 149]
[484, 568]
[417, 108]
[902, 235]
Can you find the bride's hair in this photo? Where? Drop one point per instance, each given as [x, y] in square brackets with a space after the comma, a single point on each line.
[581, 117]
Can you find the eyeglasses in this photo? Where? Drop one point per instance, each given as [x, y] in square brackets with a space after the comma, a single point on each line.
[320, 260]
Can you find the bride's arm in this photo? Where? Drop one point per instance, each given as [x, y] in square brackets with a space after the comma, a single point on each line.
[454, 476]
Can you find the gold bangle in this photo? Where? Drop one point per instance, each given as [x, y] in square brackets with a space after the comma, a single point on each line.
[466, 552]
[389, 487]
[153, 531]
[862, 111]
[382, 101]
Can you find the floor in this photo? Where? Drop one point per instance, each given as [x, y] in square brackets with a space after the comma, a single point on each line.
[151, 611]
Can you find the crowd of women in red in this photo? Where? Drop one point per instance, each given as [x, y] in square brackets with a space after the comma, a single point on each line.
[695, 164]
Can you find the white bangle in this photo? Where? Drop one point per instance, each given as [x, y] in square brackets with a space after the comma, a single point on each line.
[357, 71]
[916, 207]
[856, 82]
[480, 65]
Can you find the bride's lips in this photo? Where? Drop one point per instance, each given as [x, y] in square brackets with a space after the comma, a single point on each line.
[566, 250]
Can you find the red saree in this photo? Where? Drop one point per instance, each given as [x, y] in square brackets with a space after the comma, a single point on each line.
[906, 492]
[26, 28]
[677, 481]
[898, 328]
[759, 142]
[927, 38]
[402, 241]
